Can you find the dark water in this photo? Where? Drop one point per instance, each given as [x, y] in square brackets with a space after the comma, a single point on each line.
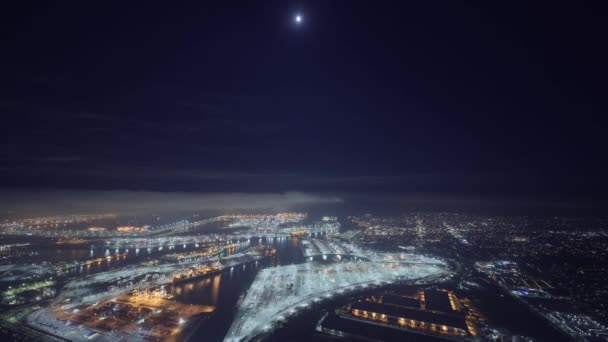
[502, 310]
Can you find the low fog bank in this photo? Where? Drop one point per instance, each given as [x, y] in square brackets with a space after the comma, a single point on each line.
[29, 203]
[476, 204]
[53, 202]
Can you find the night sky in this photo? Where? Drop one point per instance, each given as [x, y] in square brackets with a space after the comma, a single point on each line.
[485, 98]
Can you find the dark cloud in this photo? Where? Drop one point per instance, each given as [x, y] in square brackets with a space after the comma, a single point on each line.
[456, 99]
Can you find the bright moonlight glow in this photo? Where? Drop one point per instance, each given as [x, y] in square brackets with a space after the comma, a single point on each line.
[298, 18]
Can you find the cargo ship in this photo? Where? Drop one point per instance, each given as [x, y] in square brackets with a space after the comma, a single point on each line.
[265, 250]
[200, 271]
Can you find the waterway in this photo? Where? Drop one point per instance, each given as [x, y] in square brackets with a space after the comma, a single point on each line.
[223, 290]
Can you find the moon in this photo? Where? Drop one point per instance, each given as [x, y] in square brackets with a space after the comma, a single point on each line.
[298, 18]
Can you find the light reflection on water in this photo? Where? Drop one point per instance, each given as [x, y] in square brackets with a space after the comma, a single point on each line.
[102, 259]
[223, 290]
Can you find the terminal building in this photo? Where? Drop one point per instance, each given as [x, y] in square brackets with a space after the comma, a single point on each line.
[435, 313]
